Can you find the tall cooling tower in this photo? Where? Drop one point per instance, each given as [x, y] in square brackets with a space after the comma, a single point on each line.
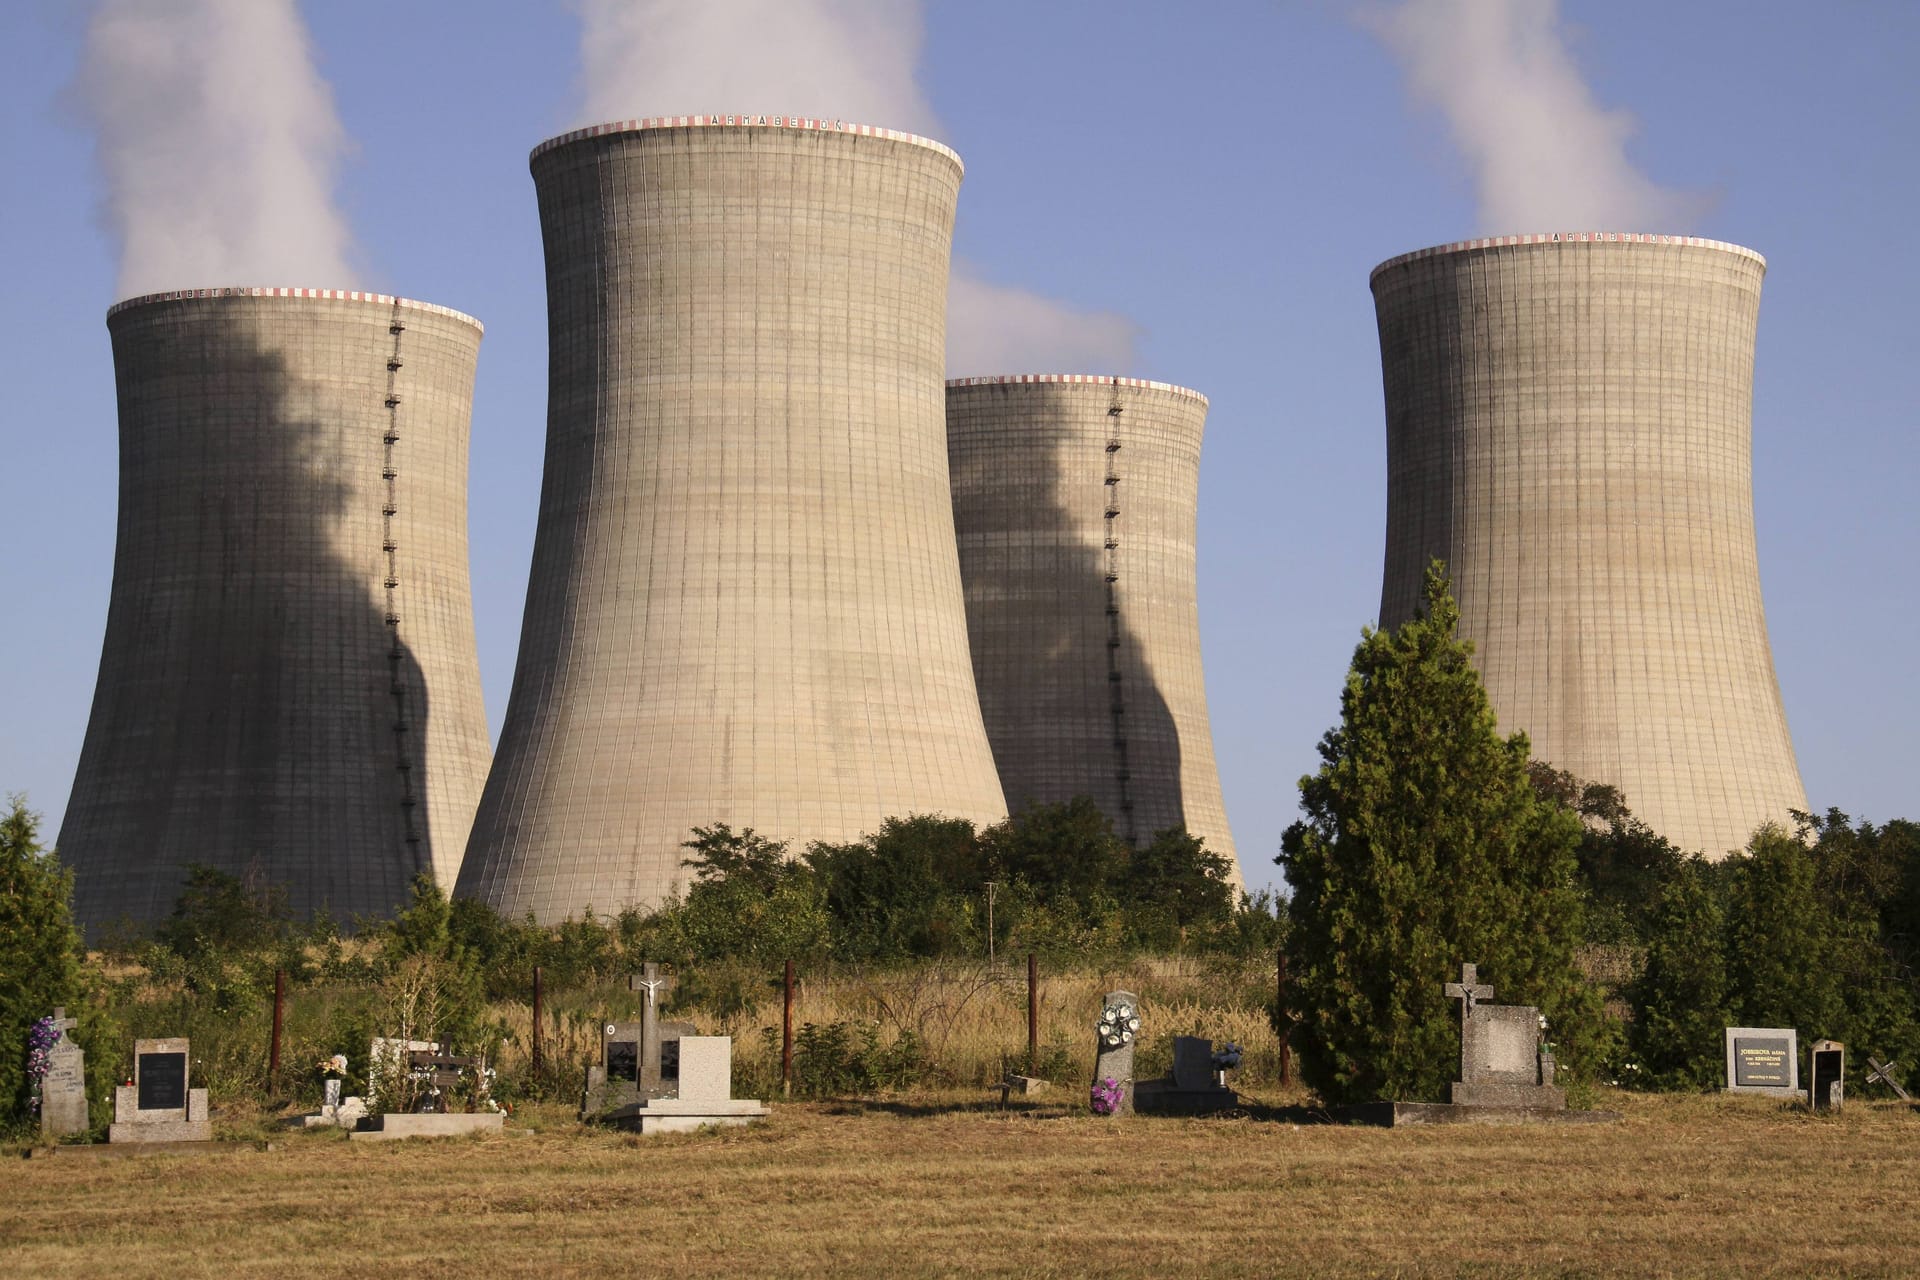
[289, 690]
[1075, 500]
[1569, 427]
[745, 600]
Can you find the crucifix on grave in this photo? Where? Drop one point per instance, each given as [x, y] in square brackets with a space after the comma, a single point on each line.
[1882, 1073]
[657, 986]
[1470, 991]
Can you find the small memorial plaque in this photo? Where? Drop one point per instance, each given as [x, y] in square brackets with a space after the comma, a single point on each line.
[1763, 1060]
[1761, 1064]
[163, 1081]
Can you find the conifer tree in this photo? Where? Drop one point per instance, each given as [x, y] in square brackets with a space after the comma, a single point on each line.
[39, 947]
[1424, 846]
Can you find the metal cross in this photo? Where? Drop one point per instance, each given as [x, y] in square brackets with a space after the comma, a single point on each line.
[1469, 989]
[1883, 1074]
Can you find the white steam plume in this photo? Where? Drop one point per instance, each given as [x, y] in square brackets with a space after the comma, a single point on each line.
[1546, 156]
[844, 59]
[849, 60]
[218, 142]
[993, 329]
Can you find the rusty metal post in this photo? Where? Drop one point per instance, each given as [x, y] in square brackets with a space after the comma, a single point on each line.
[786, 1036]
[1033, 1013]
[279, 1014]
[537, 1055]
[1281, 1025]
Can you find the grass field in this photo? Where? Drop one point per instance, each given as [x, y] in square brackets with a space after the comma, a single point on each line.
[941, 1185]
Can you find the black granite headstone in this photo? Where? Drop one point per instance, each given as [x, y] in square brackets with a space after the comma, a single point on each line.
[1762, 1062]
[623, 1060]
[163, 1081]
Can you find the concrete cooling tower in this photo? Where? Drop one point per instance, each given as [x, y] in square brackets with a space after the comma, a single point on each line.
[745, 599]
[1075, 499]
[1569, 427]
[289, 690]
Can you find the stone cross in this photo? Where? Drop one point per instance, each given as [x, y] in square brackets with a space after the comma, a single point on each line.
[1469, 991]
[1469, 988]
[656, 985]
[1882, 1073]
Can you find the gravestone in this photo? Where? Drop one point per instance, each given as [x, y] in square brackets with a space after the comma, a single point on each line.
[1827, 1065]
[387, 1056]
[705, 1093]
[1502, 1063]
[616, 1080]
[160, 1105]
[63, 1090]
[1114, 1037]
[1763, 1060]
[1192, 1087]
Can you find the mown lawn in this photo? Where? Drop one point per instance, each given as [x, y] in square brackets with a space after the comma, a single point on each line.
[939, 1185]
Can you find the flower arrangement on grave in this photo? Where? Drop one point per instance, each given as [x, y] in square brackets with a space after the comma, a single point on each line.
[41, 1037]
[334, 1066]
[1227, 1056]
[1106, 1097]
[476, 1088]
[1118, 1025]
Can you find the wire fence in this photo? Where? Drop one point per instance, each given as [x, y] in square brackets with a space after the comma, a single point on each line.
[929, 1025]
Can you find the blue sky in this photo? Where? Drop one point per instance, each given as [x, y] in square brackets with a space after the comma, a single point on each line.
[1223, 176]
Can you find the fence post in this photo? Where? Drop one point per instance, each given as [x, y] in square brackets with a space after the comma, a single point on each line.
[1282, 1025]
[1033, 1014]
[537, 1055]
[279, 1007]
[786, 1036]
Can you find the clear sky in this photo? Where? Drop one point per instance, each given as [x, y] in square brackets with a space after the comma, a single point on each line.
[1222, 175]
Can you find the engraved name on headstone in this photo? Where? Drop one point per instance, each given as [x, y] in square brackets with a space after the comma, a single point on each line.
[63, 1091]
[1763, 1060]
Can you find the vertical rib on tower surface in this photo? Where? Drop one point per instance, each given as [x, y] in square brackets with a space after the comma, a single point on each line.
[1569, 427]
[745, 599]
[289, 690]
[1075, 501]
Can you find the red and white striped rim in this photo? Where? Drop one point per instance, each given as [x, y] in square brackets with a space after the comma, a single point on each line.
[1568, 237]
[814, 123]
[335, 295]
[1087, 379]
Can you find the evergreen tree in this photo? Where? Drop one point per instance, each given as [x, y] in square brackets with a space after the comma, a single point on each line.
[1680, 998]
[40, 956]
[1425, 846]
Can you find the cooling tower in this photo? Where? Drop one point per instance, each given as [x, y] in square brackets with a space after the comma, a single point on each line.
[745, 599]
[1075, 499]
[1569, 427]
[288, 690]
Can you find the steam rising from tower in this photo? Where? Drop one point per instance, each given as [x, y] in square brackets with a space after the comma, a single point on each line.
[1543, 151]
[218, 141]
[844, 59]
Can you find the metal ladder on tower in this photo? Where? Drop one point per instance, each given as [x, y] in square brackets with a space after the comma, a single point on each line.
[397, 678]
[1116, 629]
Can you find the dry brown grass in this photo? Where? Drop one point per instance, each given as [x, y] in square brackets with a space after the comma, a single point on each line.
[971, 1020]
[936, 1185]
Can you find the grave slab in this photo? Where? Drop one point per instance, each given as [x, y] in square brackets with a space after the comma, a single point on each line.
[160, 1105]
[428, 1124]
[1191, 1088]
